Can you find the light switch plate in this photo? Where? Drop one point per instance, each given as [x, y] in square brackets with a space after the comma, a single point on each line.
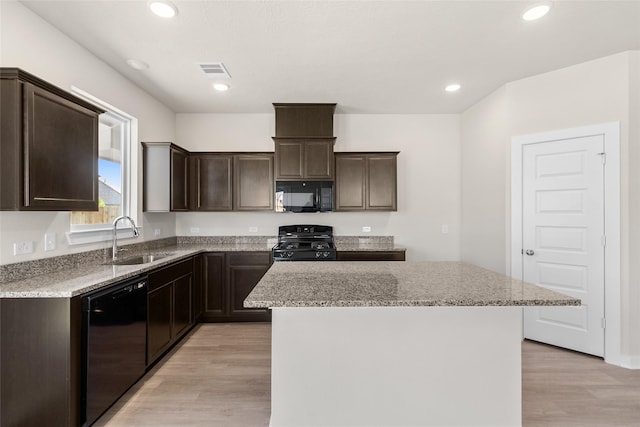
[50, 242]
[366, 229]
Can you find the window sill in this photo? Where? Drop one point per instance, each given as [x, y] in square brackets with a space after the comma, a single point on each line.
[84, 237]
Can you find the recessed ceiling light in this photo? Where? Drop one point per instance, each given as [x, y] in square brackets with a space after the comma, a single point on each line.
[536, 11]
[137, 64]
[452, 87]
[221, 86]
[163, 8]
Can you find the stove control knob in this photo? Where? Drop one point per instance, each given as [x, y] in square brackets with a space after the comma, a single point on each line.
[325, 254]
[318, 254]
[289, 254]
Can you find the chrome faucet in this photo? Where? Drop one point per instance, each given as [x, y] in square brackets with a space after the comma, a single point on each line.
[136, 233]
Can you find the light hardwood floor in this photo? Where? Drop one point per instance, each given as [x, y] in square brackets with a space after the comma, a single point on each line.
[563, 388]
[220, 376]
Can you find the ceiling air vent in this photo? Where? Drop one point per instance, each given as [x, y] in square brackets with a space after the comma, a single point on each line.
[215, 70]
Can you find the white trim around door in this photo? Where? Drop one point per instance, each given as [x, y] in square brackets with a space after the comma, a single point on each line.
[611, 134]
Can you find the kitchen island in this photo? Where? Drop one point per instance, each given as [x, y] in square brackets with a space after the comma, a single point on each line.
[395, 343]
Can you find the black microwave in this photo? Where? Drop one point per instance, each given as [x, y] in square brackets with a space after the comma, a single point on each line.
[304, 196]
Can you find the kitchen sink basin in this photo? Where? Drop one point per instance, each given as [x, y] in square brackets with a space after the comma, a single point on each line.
[140, 259]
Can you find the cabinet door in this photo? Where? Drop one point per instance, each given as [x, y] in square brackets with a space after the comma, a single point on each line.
[245, 271]
[318, 159]
[211, 183]
[197, 304]
[242, 280]
[381, 182]
[61, 153]
[253, 182]
[370, 256]
[350, 182]
[158, 321]
[182, 318]
[214, 280]
[179, 180]
[289, 160]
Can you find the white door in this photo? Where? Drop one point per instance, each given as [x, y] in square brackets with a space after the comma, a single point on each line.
[563, 239]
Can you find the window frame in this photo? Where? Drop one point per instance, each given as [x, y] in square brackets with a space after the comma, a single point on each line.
[93, 233]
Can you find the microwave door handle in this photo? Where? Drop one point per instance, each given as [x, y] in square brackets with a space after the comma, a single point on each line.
[317, 201]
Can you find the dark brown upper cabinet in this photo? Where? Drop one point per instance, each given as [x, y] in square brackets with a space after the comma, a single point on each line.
[179, 179]
[304, 141]
[253, 182]
[49, 149]
[211, 182]
[308, 159]
[304, 120]
[166, 177]
[366, 181]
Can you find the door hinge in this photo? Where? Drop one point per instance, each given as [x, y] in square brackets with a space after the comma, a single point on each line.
[604, 158]
[603, 323]
[603, 240]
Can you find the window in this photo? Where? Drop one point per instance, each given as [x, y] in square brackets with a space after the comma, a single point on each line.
[116, 131]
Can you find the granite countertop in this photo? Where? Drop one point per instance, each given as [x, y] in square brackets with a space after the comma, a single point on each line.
[85, 278]
[75, 274]
[382, 284]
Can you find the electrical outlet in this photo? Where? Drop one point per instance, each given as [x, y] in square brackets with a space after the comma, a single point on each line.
[253, 229]
[21, 248]
[366, 229]
[50, 242]
[157, 232]
[195, 230]
[445, 229]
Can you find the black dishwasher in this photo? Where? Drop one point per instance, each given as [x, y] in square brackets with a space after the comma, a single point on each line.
[114, 344]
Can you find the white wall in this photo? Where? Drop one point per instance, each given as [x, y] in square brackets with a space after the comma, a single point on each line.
[30, 43]
[633, 165]
[485, 182]
[598, 91]
[428, 177]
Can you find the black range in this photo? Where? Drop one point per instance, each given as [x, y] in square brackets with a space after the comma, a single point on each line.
[304, 243]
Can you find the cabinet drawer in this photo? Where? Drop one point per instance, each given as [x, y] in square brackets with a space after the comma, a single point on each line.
[250, 258]
[170, 273]
[370, 255]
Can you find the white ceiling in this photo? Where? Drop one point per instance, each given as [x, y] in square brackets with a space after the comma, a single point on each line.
[368, 56]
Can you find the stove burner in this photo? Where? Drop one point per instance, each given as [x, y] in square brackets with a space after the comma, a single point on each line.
[319, 245]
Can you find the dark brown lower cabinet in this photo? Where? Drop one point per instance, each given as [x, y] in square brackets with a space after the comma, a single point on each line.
[158, 321]
[370, 255]
[214, 280]
[169, 307]
[245, 269]
[182, 318]
[197, 304]
[40, 361]
[228, 279]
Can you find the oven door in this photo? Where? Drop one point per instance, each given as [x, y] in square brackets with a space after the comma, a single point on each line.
[304, 196]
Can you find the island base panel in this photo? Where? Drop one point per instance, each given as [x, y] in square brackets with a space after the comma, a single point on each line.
[400, 366]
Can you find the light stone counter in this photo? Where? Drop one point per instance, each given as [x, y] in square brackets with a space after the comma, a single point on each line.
[89, 276]
[395, 343]
[393, 284]
[74, 274]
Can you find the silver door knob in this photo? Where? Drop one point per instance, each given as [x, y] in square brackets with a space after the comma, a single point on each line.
[529, 252]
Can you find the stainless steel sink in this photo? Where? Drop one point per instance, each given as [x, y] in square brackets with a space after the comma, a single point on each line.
[140, 259]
